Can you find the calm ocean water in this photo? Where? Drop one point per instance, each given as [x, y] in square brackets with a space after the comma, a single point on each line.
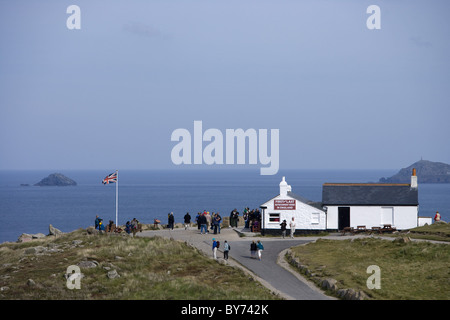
[147, 195]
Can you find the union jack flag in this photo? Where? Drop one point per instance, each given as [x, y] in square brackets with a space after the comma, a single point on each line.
[110, 178]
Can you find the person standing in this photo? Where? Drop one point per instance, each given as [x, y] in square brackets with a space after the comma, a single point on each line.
[128, 227]
[101, 226]
[283, 228]
[187, 220]
[217, 219]
[208, 221]
[202, 222]
[134, 226]
[197, 220]
[171, 220]
[97, 221]
[437, 217]
[226, 248]
[260, 248]
[253, 249]
[292, 226]
[214, 248]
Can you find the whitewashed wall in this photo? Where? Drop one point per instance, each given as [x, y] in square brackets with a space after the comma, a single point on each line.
[305, 216]
[404, 217]
[425, 220]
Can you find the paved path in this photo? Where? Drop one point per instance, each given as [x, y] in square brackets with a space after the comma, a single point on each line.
[289, 285]
[271, 274]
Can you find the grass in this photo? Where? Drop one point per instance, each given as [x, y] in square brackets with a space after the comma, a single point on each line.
[435, 231]
[149, 268]
[408, 270]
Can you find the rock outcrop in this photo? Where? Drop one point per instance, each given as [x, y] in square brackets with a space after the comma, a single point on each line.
[56, 179]
[427, 172]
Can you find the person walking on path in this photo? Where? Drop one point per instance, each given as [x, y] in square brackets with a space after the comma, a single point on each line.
[215, 245]
[253, 249]
[283, 228]
[260, 247]
[226, 248]
[187, 220]
[292, 225]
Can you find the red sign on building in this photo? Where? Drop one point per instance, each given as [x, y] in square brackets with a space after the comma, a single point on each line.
[284, 204]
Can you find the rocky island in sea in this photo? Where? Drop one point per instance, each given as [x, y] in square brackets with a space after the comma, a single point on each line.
[427, 172]
[56, 179]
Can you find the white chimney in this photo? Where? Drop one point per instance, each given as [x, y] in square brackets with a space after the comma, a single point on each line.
[414, 179]
[284, 187]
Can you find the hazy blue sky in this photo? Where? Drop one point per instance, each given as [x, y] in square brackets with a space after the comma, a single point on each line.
[109, 95]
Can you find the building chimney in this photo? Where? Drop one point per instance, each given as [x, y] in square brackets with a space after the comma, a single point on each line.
[284, 187]
[414, 179]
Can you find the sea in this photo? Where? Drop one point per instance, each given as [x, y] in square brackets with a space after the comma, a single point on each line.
[152, 194]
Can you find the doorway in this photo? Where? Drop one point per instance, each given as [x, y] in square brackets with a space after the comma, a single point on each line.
[343, 217]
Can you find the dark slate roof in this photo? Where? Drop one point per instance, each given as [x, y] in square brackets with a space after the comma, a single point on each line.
[369, 194]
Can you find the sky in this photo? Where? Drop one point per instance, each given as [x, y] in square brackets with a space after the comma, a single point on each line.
[110, 94]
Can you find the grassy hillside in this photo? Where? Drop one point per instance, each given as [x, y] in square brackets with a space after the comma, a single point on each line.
[408, 270]
[118, 267]
[437, 231]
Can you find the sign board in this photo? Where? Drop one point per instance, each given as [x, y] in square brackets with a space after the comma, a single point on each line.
[284, 204]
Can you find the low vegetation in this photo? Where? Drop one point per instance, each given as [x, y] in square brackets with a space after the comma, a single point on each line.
[439, 231]
[408, 270]
[119, 267]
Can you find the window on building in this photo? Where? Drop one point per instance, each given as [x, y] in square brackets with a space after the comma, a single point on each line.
[315, 218]
[274, 217]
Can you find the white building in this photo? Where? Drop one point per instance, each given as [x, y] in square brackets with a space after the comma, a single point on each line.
[309, 216]
[371, 204]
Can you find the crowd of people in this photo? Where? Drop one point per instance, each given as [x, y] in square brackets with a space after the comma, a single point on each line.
[212, 221]
[131, 227]
[205, 221]
[208, 221]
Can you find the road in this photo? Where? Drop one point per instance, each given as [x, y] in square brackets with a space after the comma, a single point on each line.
[272, 275]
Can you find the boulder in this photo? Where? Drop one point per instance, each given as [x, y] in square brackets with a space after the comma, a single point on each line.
[402, 240]
[91, 230]
[113, 274]
[87, 264]
[25, 237]
[31, 283]
[38, 236]
[52, 231]
[351, 294]
[329, 284]
[35, 250]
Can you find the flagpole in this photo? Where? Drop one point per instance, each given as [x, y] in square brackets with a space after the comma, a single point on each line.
[117, 199]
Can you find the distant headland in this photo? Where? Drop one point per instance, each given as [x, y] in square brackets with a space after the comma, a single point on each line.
[56, 179]
[427, 172]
